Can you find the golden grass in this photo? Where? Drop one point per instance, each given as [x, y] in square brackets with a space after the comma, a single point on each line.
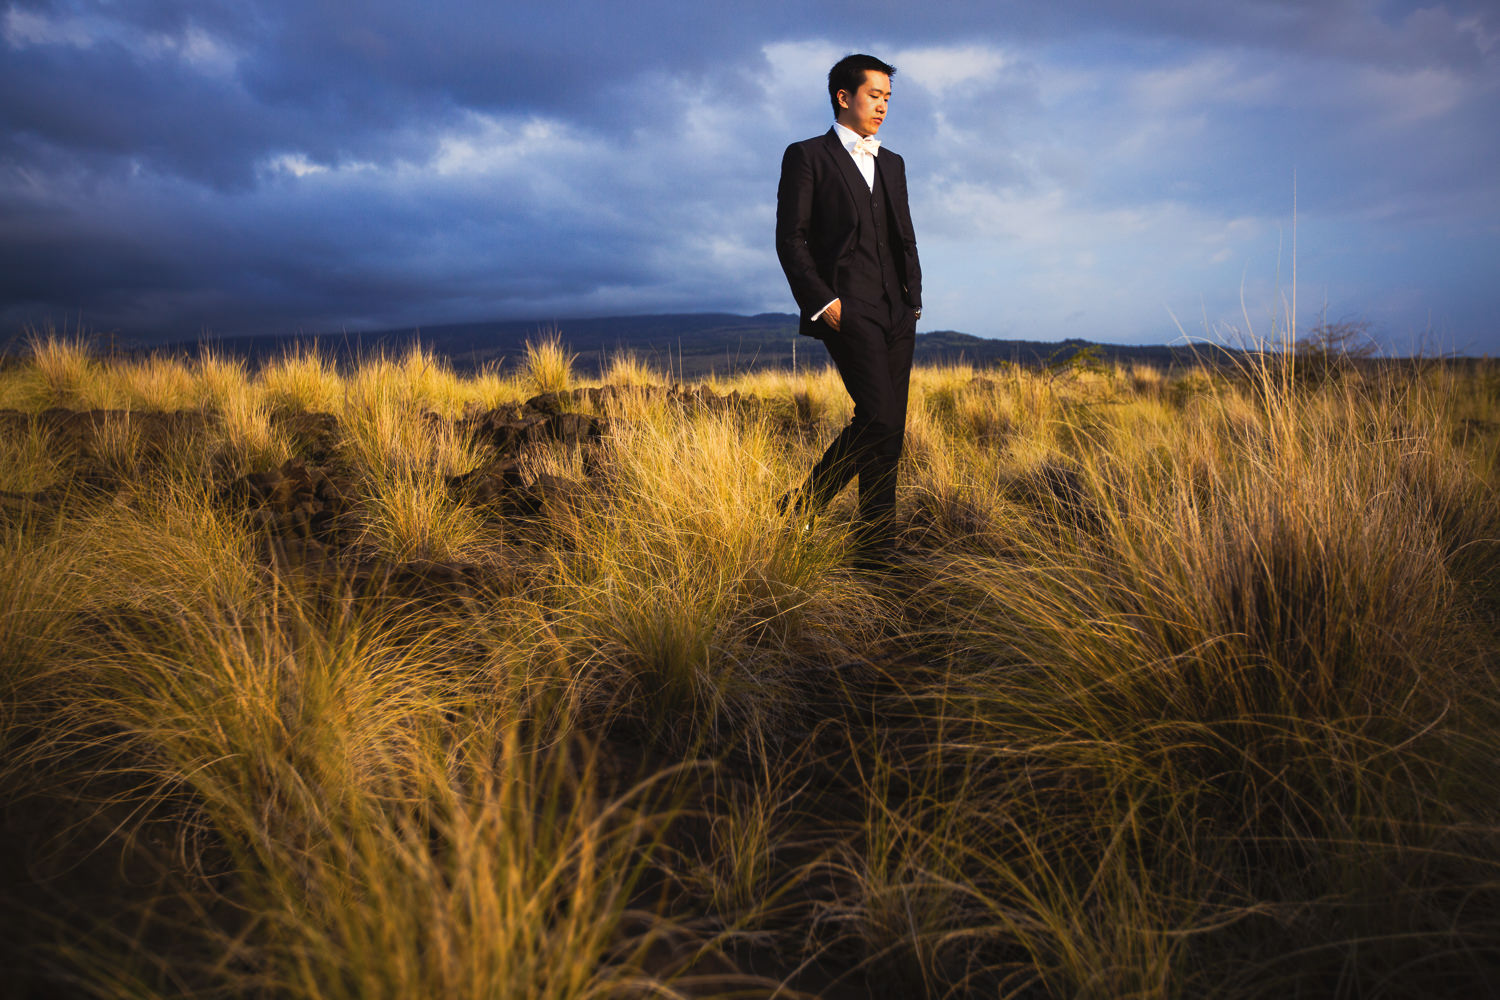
[157, 383]
[627, 368]
[162, 549]
[302, 380]
[251, 438]
[388, 431]
[29, 460]
[549, 364]
[413, 517]
[217, 380]
[63, 371]
[1186, 685]
[384, 846]
[405, 457]
[679, 585]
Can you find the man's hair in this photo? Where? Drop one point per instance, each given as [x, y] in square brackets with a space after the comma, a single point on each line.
[849, 74]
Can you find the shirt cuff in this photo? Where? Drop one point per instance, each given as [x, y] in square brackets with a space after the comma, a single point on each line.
[817, 315]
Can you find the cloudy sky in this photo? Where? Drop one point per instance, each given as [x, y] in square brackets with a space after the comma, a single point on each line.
[1118, 170]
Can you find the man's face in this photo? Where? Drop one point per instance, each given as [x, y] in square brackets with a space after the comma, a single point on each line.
[864, 110]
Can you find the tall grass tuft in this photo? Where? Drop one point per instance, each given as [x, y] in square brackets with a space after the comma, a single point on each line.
[681, 590]
[627, 368]
[30, 460]
[217, 379]
[408, 517]
[302, 380]
[391, 835]
[405, 455]
[250, 438]
[1263, 675]
[549, 364]
[63, 370]
[156, 382]
[159, 549]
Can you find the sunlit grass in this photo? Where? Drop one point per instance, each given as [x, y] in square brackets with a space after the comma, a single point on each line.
[414, 517]
[680, 585]
[549, 364]
[29, 459]
[303, 379]
[249, 434]
[62, 372]
[157, 383]
[392, 835]
[629, 369]
[161, 549]
[1184, 685]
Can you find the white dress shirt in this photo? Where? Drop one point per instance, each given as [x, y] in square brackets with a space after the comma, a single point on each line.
[865, 162]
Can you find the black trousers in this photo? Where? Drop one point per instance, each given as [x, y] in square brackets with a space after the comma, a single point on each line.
[872, 349]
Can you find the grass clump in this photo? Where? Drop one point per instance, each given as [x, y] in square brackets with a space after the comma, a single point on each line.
[549, 364]
[382, 843]
[1184, 684]
[626, 368]
[302, 380]
[404, 457]
[1251, 684]
[678, 587]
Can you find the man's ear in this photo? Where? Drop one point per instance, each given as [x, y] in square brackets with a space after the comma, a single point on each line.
[843, 97]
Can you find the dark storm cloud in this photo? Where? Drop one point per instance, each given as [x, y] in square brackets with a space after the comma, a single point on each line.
[105, 116]
[170, 166]
[335, 81]
[140, 252]
[340, 82]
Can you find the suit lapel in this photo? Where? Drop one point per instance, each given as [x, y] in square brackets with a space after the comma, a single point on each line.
[853, 179]
[891, 193]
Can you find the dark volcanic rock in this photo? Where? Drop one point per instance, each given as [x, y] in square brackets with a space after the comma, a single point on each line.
[505, 433]
[488, 485]
[574, 428]
[313, 435]
[295, 501]
[549, 403]
[531, 502]
[508, 433]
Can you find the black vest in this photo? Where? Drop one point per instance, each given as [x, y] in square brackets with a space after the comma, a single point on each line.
[873, 276]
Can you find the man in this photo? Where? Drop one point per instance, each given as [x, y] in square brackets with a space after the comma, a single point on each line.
[844, 237]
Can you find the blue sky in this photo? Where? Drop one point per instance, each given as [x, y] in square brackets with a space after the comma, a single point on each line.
[1118, 171]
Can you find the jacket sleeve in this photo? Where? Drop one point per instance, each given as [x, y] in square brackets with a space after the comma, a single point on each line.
[794, 206]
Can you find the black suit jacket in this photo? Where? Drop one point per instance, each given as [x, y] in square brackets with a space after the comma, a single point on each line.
[821, 205]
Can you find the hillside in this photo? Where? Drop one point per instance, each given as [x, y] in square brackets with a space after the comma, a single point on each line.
[689, 345]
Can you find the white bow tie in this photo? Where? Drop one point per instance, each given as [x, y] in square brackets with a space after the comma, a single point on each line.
[866, 144]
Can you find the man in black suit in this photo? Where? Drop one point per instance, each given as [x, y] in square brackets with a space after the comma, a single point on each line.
[845, 240]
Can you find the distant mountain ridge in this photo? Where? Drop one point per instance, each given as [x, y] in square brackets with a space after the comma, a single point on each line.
[687, 345]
